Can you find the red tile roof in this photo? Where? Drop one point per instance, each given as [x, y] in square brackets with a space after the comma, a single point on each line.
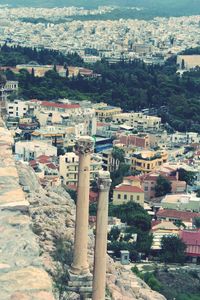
[128, 189]
[93, 196]
[177, 214]
[59, 105]
[44, 159]
[33, 163]
[133, 178]
[72, 187]
[192, 241]
[51, 166]
[155, 222]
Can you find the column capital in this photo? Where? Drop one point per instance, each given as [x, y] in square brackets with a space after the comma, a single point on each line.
[103, 180]
[84, 144]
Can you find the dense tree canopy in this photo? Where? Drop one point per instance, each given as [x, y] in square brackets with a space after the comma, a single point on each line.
[186, 176]
[172, 249]
[163, 186]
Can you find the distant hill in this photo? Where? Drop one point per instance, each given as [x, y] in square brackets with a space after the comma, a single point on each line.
[152, 8]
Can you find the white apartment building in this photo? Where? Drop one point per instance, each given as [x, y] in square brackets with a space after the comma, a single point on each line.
[184, 137]
[11, 86]
[16, 109]
[68, 167]
[143, 122]
[29, 150]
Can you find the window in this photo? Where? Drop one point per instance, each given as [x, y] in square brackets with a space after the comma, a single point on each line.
[119, 196]
[146, 188]
[125, 197]
[131, 198]
[138, 198]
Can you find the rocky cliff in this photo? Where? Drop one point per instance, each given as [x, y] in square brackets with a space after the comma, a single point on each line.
[22, 274]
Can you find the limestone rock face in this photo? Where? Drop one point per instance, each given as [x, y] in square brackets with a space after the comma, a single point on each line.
[22, 274]
[123, 284]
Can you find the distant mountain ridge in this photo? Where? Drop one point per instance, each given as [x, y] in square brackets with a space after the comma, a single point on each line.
[152, 8]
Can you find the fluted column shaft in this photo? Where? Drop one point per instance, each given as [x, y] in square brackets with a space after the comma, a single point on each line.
[84, 147]
[99, 274]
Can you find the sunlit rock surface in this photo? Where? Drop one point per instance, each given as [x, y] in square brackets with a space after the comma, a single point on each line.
[22, 274]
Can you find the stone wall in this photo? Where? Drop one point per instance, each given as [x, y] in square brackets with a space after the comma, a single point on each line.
[22, 274]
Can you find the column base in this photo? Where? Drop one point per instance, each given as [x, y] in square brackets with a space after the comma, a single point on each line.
[79, 271]
[80, 284]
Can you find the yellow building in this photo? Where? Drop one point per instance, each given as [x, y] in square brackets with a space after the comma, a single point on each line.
[105, 113]
[165, 228]
[147, 161]
[125, 193]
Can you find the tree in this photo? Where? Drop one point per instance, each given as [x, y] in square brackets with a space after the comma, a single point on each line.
[187, 176]
[163, 186]
[182, 64]
[2, 80]
[197, 222]
[114, 234]
[118, 155]
[172, 249]
[67, 72]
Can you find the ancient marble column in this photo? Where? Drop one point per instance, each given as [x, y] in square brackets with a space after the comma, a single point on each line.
[99, 274]
[84, 148]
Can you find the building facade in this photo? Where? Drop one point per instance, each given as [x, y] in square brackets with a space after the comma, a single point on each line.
[68, 168]
[147, 161]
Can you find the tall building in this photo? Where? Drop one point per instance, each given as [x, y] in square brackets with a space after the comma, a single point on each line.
[68, 167]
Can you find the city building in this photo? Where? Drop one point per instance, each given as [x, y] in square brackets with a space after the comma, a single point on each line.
[109, 162]
[16, 109]
[149, 182]
[105, 113]
[30, 150]
[52, 134]
[186, 217]
[124, 193]
[147, 161]
[191, 238]
[161, 229]
[181, 202]
[68, 167]
[140, 121]
[140, 140]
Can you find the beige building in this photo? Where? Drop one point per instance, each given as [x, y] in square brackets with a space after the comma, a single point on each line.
[125, 193]
[121, 118]
[140, 121]
[68, 167]
[147, 161]
[106, 112]
[129, 190]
